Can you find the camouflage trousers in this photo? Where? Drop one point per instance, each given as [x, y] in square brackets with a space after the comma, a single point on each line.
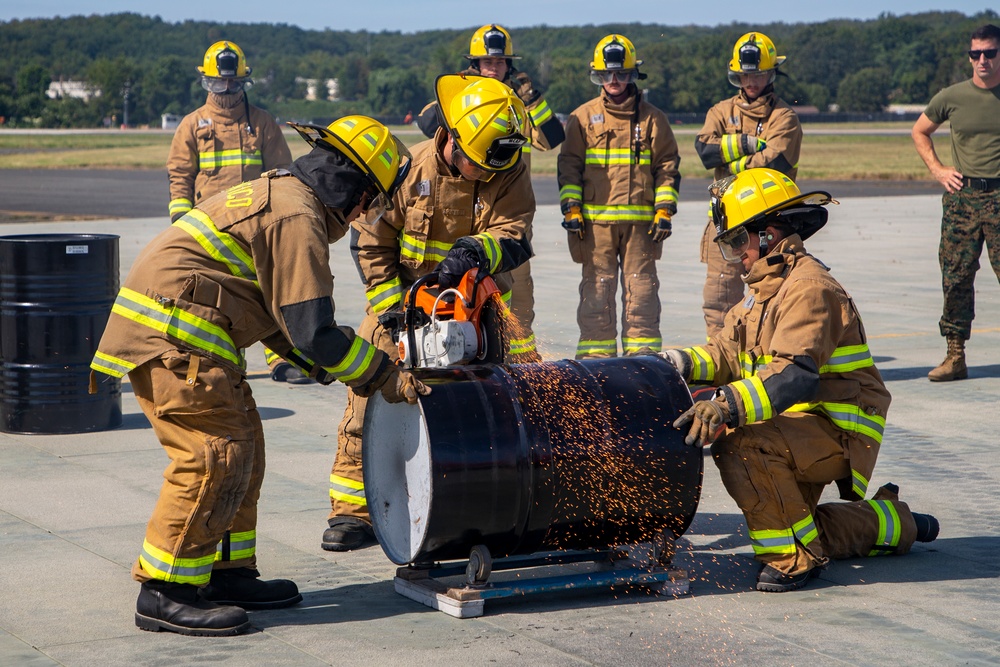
[971, 218]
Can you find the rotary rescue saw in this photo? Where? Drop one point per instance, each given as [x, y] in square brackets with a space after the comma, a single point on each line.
[449, 327]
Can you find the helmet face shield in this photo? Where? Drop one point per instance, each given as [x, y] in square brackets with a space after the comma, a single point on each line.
[221, 86]
[734, 244]
[495, 42]
[604, 77]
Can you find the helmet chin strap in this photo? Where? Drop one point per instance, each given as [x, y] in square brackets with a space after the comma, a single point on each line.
[763, 237]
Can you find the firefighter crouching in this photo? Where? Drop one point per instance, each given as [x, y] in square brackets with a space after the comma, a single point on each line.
[466, 203]
[800, 403]
[249, 264]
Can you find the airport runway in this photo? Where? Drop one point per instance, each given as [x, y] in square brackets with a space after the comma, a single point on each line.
[67, 194]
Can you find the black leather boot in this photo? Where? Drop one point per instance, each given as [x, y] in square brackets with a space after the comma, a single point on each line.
[347, 533]
[243, 587]
[927, 527]
[178, 608]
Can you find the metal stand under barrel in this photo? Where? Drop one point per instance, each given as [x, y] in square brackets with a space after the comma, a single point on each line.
[435, 585]
[535, 477]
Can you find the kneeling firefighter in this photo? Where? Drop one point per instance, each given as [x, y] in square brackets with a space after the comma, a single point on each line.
[800, 403]
[249, 264]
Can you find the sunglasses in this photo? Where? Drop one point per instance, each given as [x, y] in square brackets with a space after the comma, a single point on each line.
[989, 53]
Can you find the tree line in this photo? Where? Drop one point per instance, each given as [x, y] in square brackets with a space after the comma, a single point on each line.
[861, 66]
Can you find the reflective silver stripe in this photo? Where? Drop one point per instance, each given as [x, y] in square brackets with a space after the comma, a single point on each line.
[805, 530]
[356, 362]
[220, 246]
[889, 529]
[383, 296]
[113, 366]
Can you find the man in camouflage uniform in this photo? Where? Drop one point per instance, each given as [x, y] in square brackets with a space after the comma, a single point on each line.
[971, 202]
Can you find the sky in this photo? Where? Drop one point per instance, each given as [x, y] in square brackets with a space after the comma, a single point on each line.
[419, 15]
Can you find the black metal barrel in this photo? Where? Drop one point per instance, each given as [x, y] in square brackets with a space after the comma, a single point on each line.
[56, 293]
[525, 458]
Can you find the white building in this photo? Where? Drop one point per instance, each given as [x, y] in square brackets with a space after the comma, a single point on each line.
[76, 89]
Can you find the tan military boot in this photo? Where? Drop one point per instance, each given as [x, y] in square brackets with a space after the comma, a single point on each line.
[953, 367]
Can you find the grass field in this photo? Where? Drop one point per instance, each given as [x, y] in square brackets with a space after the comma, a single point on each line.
[845, 156]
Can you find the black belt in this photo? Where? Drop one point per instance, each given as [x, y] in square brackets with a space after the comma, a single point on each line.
[981, 184]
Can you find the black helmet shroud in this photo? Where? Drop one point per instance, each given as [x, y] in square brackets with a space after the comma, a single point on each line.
[804, 220]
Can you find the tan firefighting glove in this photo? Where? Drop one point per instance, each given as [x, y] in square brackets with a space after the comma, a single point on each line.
[573, 221]
[735, 146]
[521, 83]
[660, 227]
[400, 385]
[708, 420]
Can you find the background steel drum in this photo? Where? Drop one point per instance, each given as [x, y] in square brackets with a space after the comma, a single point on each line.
[56, 293]
[525, 458]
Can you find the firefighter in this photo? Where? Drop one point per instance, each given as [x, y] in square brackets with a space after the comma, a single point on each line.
[754, 128]
[799, 403]
[618, 182]
[491, 53]
[466, 203]
[225, 142]
[249, 264]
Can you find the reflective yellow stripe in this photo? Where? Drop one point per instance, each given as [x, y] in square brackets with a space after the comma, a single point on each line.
[185, 327]
[270, 356]
[772, 541]
[356, 362]
[664, 195]
[540, 113]
[602, 157]
[848, 358]
[229, 158]
[636, 344]
[180, 205]
[702, 366]
[889, 528]
[113, 366]
[848, 417]
[347, 490]
[522, 345]
[859, 483]
[623, 213]
[494, 255]
[241, 545]
[756, 402]
[730, 147]
[160, 565]
[220, 246]
[609, 347]
[571, 192]
[805, 530]
[385, 295]
[736, 166]
[417, 249]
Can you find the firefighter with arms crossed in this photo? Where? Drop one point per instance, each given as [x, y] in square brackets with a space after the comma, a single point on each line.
[249, 264]
[466, 203]
[800, 403]
[491, 53]
[754, 128]
[618, 182]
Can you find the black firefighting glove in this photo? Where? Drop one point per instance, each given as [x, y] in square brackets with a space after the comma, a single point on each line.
[573, 221]
[708, 419]
[521, 83]
[458, 262]
[660, 227]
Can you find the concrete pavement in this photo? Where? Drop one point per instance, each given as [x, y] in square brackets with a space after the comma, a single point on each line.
[73, 507]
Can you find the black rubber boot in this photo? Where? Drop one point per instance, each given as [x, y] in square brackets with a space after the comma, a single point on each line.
[772, 580]
[178, 608]
[927, 527]
[243, 587]
[347, 533]
[285, 372]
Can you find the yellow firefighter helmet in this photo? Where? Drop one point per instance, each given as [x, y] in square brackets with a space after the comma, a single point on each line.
[751, 199]
[491, 41]
[225, 60]
[369, 145]
[485, 117]
[753, 52]
[614, 57]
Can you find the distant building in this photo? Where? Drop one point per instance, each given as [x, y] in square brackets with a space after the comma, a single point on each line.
[312, 88]
[76, 89]
[170, 121]
[906, 108]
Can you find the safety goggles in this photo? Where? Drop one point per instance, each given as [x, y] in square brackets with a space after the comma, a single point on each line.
[604, 77]
[734, 244]
[223, 86]
[989, 53]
